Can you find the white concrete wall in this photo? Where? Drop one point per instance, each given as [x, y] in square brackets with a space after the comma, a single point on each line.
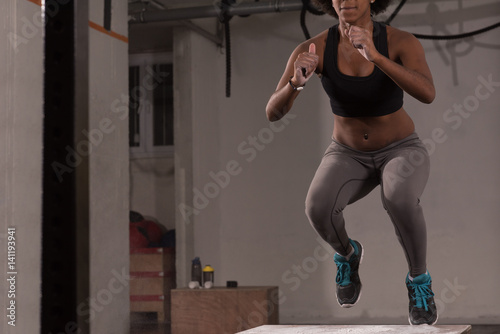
[21, 123]
[209, 96]
[152, 190]
[254, 229]
[21, 112]
[198, 67]
[109, 172]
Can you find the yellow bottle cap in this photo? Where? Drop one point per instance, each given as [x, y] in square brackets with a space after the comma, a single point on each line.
[208, 268]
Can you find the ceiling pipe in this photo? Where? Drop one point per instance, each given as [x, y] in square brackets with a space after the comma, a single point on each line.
[241, 8]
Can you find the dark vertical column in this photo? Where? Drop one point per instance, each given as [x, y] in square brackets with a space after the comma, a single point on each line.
[82, 171]
[60, 160]
[107, 15]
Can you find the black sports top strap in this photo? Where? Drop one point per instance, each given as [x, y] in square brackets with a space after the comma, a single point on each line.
[351, 96]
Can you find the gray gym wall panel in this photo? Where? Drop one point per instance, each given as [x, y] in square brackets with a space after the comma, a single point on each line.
[109, 170]
[254, 228]
[198, 71]
[21, 151]
[21, 104]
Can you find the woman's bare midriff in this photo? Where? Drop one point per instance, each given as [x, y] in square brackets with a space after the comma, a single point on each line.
[372, 133]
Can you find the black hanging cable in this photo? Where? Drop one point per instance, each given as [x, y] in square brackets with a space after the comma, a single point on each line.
[442, 37]
[303, 12]
[227, 34]
[224, 18]
[458, 36]
[311, 9]
[307, 7]
[396, 11]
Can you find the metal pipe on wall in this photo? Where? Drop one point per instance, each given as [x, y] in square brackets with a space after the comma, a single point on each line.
[242, 8]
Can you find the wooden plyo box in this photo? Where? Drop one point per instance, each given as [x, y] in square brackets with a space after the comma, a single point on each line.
[152, 277]
[152, 259]
[223, 310]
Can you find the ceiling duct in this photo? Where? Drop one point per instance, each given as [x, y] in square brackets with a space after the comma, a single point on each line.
[241, 8]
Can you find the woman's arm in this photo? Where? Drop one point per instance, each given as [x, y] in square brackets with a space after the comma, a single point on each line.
[300, 67]
[413, 74]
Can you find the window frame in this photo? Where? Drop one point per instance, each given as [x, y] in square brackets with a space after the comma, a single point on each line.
[146, 149]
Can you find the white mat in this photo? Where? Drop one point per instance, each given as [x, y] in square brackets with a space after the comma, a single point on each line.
[359, 329]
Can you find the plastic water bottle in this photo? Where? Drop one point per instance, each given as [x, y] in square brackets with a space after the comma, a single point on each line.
[208, 277]
[196, 271]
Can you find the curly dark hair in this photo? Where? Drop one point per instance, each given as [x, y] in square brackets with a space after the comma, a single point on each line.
[326, 6]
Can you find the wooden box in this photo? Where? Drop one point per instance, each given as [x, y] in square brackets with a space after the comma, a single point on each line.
[223, 310]
[152, 276]
[152, 259]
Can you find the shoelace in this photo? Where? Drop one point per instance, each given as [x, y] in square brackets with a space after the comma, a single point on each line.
[343, 273]
[422, 292]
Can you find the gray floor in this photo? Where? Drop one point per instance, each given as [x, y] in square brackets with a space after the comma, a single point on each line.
[156, 329]
[147, 324]
[485, 329]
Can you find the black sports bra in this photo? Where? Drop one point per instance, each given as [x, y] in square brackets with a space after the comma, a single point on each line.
[350, 96]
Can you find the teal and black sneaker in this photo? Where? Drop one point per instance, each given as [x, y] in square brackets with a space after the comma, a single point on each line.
[348, 282]
[422, 308]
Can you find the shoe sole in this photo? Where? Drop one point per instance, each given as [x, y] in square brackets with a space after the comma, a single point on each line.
[435, 321]
[360, 285]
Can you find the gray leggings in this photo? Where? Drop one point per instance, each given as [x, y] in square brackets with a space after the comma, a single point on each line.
[346, 175]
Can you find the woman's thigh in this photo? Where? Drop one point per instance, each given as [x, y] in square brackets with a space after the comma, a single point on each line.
[339, 180]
